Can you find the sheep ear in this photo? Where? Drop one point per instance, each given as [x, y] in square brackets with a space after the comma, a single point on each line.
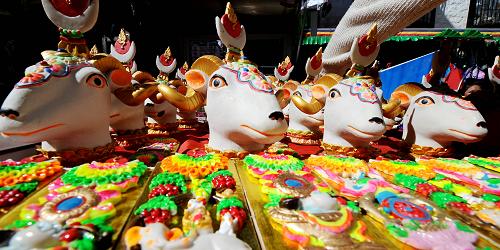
[319, 91]
[197, 80]
[407, 120]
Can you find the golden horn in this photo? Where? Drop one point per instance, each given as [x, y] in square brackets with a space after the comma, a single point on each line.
[309, 108]
[176, 82]
[107, 64]
[391, 109]
[208, 64]
[329, 80]
[134, 97]
[143, 77]
[186, 103]
[283, 100]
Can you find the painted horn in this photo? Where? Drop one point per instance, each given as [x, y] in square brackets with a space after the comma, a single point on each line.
[136, 95]
[283, 97]
[309, 108]
[392, 109]
[186, 103]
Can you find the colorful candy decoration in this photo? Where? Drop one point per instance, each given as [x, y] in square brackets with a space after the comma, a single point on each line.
[12, 173]
[9, 197]
[78, 208]
[97, 173]
[491, 163]
[167, 184]
[417, 223]
[230, 210]
[194, 166]
[298, 202]
[222, 180]
[261, 164]
[465, 173]
[342, 165]
[159, 209]
[18, 179]
[349, 176]
[392, 167]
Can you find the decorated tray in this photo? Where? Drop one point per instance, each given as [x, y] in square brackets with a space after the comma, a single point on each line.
[83, 209]
[191, 207]
[264, 193]
[20, 180]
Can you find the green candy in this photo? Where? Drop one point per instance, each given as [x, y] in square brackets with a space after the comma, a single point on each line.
[229, 202]
[211, 176]
[162, 202]
[441, 199]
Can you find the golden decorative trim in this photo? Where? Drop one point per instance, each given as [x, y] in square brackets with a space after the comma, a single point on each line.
[49, 210]
[159, 129]
[227, 153]
[167, 54]
[74, 157]
[188, 124]
[430, 151]
[304, 137]
[296, 191]
[122, 37]
[362, 153]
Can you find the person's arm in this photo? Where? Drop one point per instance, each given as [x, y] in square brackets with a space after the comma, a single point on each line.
[391, 17]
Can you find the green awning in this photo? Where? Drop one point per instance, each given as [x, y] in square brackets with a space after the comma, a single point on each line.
[324, 38]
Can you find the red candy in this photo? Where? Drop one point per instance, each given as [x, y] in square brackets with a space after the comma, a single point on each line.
[10, 197]
[236, 213]
[427, 189]
[70, 235]
[222, 183]
[460, 206]
[167, 190]
[157, 215]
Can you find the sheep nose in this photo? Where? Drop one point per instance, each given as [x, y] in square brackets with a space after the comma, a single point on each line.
[481, 124]
[9, 113]
[161, 113]
[277, 115]
[150, 105]
[377, 120]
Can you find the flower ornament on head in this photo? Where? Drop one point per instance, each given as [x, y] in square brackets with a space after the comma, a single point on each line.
[494, 71]
[364, 50]
[231, 33]
[314, 65]
[283, 71]
[165, 63]
[181, 72]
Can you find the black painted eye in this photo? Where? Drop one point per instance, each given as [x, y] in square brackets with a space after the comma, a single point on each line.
[96, 81]
[334, 93]
[297, 93]
[217, 82]
[424, 101]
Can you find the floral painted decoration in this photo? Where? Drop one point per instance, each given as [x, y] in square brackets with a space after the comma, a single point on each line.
[364, 89]
[195, 166]
[249, 74]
